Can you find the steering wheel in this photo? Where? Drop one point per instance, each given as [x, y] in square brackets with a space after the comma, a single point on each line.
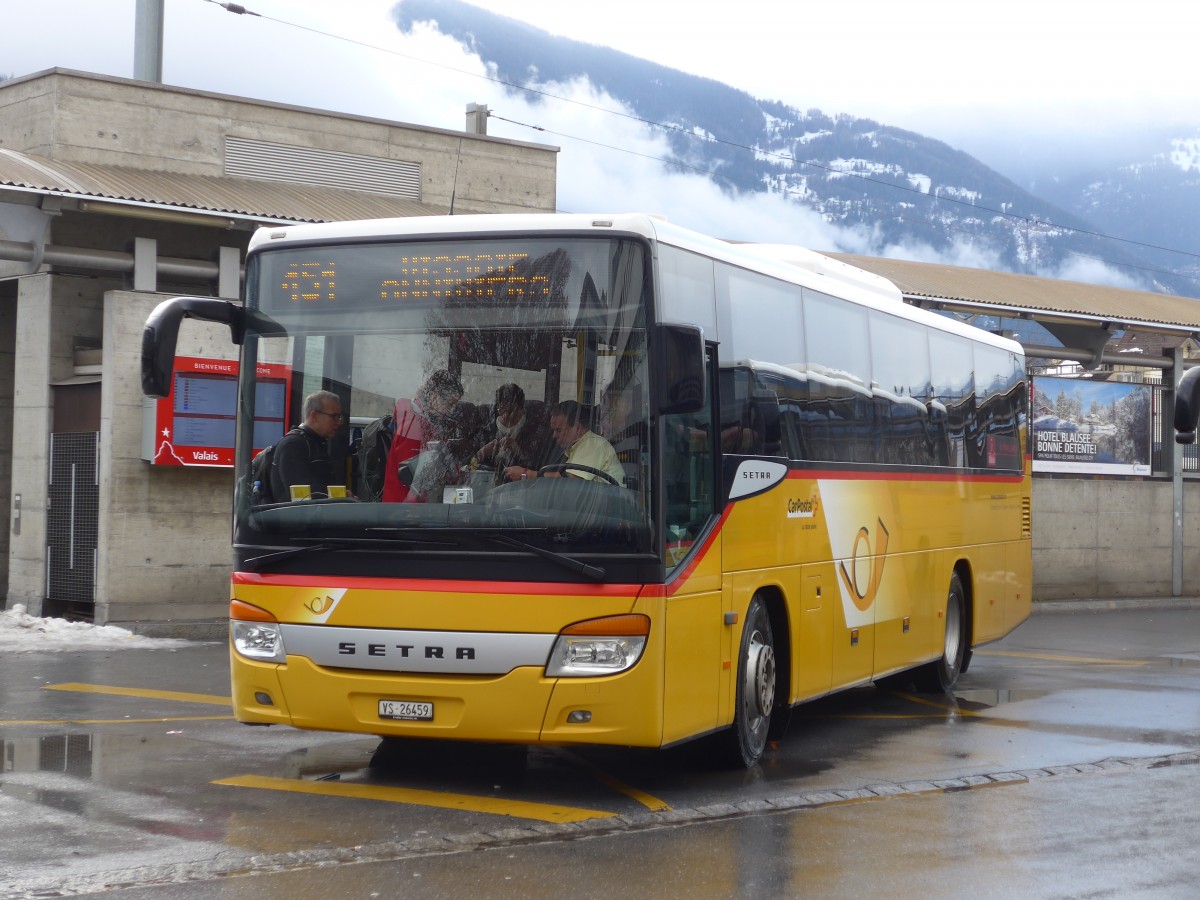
[562, 467]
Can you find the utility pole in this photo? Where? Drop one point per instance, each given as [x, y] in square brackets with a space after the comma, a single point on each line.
[148, 40]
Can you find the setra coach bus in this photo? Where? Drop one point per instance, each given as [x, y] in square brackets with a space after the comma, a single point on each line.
[816, 486]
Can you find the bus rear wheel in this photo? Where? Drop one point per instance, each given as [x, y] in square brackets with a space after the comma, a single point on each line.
[939, 676]
[755, 695]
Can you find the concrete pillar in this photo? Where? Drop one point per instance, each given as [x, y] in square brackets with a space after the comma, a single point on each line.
[54, 314]
[8, 327]
[229, 273]
[477, 116]
[30, 434]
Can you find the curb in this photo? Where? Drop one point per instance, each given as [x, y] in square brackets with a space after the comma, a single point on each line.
[1114, 604]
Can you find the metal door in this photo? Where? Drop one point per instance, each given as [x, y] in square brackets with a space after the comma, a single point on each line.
[71, 524]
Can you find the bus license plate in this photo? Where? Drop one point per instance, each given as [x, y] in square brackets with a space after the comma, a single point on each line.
[408, 710]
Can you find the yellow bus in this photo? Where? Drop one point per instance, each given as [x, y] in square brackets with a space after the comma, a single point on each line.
[815, 486]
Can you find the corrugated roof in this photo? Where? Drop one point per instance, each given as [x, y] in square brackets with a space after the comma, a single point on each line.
[228, 195]
[1027, 292]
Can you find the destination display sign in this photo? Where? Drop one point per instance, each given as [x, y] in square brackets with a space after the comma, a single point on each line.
[379, 276]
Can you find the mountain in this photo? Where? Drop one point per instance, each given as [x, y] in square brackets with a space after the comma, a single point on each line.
[908, 194]
[1155, 198]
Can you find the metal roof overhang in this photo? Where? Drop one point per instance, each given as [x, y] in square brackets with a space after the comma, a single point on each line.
[243, 201]
[1081, 316]
[1045, 300]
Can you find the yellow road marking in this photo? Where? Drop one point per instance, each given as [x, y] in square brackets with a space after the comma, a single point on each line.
[522, 809]
[1015, 654]
[647, 800]
[115, 721]
[182, 697]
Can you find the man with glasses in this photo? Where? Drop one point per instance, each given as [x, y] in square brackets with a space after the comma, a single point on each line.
[302, 456]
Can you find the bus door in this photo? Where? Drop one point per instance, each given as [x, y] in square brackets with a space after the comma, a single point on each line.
[696, 638]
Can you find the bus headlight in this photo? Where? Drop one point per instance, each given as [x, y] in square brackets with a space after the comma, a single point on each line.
[599, 646]
[255, 633]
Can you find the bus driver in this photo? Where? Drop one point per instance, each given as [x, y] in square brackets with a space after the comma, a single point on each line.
[582, 445]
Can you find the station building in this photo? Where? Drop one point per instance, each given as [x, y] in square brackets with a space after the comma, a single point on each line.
[117, 193]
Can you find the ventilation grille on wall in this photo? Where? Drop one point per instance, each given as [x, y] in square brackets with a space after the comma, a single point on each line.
[322, 168]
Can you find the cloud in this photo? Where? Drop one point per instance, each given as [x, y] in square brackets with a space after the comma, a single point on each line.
[1094, 271]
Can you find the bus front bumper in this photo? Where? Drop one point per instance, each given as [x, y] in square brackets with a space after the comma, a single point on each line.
[523, 706]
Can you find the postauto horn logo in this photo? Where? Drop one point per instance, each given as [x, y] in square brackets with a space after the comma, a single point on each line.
[865, 572]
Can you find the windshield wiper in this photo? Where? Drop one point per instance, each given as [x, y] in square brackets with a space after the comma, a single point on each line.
[374, 544]
[257, 562]
[596, 573]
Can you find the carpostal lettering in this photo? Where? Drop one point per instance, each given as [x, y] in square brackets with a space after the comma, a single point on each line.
[406, 651]
[801, 509]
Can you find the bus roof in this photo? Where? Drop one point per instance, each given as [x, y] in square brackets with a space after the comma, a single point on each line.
[789, 262]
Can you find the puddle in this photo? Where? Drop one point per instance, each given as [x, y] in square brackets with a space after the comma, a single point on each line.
[980, 699]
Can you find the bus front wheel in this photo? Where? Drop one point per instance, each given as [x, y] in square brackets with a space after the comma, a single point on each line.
[755, 695]
[939, 676]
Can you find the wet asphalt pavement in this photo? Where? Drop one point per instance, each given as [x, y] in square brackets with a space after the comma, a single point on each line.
[1063, 766]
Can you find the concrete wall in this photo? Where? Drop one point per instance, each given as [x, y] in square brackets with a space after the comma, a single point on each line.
[1103, 538]
[164, 536]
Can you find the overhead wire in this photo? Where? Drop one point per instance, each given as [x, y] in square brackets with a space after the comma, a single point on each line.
[1028, 220]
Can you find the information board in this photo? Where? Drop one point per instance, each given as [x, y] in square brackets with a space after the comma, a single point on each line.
[195, 424]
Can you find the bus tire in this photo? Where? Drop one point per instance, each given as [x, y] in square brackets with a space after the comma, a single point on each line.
[754, 698]
[939, 676]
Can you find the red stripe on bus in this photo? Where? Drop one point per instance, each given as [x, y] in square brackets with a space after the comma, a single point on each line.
[858, 475]
[438, 585]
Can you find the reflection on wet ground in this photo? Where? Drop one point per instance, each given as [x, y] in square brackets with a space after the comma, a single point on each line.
[990, 698]
[94, 774]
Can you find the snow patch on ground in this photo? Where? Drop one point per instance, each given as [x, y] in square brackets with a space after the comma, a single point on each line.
[21, 632]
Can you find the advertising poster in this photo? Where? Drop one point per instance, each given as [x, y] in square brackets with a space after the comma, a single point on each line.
[1096, 427]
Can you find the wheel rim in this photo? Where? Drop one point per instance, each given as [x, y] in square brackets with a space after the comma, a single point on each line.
[760, 678]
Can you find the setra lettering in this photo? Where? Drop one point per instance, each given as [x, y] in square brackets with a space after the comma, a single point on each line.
[405, 651]
[756, 475]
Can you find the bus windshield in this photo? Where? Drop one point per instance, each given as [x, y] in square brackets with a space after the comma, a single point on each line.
[495, 390]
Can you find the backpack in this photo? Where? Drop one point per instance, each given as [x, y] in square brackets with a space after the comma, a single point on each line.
[372, 457]
[260, 475]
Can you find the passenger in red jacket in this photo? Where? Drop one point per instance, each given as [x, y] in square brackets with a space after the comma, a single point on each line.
[418, 422]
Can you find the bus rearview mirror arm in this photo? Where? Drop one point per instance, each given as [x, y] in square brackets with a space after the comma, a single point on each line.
[161, 333]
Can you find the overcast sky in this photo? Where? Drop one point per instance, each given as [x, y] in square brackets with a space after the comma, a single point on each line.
[1000, 80]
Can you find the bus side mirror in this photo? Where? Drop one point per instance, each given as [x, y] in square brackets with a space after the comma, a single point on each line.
[161, 333]
[680, 361]
[1187, 407]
